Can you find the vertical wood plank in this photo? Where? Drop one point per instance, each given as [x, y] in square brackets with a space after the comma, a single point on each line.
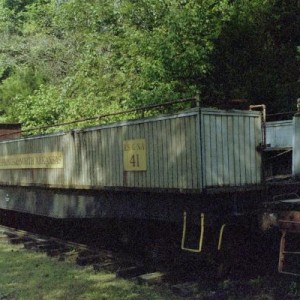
[147, 180]
[208, 174]
[225, 149]
[247, 136]
[177, 135]
[219, 152]
[174, 154]
[165, 145]
[236, 151]
[231, 151]
[214, 153]
[258, 136]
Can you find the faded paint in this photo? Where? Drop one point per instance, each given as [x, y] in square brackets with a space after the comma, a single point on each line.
[52, 160]
[279, 134]
[187, 151]
[134, 154]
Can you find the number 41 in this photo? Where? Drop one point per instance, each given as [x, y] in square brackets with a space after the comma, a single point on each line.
[135, 160]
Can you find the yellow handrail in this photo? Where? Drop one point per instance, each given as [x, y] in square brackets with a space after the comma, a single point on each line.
[201, 234]
[221, 236]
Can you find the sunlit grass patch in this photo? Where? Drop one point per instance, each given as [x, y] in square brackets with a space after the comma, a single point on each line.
[30, 275]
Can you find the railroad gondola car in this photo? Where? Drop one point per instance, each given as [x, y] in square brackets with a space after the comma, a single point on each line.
[199, 168]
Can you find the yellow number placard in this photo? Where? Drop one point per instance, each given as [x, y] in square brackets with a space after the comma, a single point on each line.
[49, 160]
[134, 155]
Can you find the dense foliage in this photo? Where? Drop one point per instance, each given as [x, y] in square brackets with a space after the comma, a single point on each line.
[62, 60]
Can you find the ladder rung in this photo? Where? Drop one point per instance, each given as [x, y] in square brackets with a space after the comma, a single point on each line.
[289, 273]
[290, 252]
[288, 221]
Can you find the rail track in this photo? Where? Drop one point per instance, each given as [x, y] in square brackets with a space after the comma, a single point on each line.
[124, 265]
[88, 246]
[101, 259]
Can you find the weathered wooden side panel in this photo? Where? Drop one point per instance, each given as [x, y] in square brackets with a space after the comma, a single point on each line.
[296, 146]
[20, 174]
[92, 158]
[185, 151]
[229, 142]
[172, 154]
[279, 134]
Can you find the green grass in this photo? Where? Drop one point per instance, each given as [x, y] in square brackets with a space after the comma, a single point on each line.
[29, 275]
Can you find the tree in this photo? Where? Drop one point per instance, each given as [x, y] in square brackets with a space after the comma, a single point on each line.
[128, 53]
[98, 56]
[256, 56]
